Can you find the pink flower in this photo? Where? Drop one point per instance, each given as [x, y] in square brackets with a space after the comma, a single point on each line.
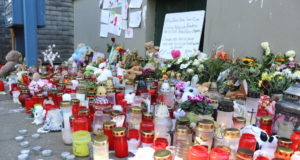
[292, 64]
[175, 53]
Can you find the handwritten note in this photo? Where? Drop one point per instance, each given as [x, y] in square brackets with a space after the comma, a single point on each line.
[124, 10]
[135, 19]
[135, 3]
[124, 24]
[104, 29]
[182, 31]
[104, 16]
[129, 33]
[108, 4]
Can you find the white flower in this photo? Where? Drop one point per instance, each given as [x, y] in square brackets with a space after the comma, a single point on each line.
[267, 51]
[184, 66]
[287, 72]
[265, 45]
[277, 73]
[200, 67]
[296, 75]
[179, 61]
[190, 71]
[290, 53]
[196, 62]
[291, 58]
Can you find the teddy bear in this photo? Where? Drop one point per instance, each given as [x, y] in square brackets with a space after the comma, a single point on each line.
[13, 58]
[150, 48]
[82, 54]
[131, 74]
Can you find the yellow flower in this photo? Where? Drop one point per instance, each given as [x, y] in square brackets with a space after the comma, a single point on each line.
[248, 61]
[265, 76]
[259, 83]
[280, 77]
[119, 48]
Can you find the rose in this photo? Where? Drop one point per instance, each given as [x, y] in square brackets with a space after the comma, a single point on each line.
[291, 59]
[196, 62]
[265, 45]
[190, 71]
[200, 67]
[113, 39]
[290, 53]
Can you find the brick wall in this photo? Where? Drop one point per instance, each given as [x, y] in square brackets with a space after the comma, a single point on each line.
[59, 29]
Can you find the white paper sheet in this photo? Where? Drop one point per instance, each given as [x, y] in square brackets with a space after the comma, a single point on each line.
[129, 33]
[104, 16]
[135, 19]
[135, 3]
[115, 19]
[124, 24]
[124, 10]
[108, 4]
[104, 29]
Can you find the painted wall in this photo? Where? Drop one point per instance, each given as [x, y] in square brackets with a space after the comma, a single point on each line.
[241, 25]
[87, 27]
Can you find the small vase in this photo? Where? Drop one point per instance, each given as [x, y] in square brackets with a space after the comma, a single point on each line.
[194, 118]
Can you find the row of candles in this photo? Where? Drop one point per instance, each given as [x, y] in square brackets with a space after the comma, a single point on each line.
[96, 117]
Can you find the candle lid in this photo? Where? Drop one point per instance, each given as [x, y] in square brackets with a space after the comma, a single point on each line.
[107, 111]
[182, 121]
[205, 124]
[120, 89]
[25, 90]
[115, 113]
[81, 89]
[182, 130]
[224, 147]
[84, 111]
[284, 152]
[162, 154]
[231, 133]
[60, 94]
[147, 133]
[110, 90]
[266, 119]
[39, 95]
[100, 140]
[128, 82]
[245, 153]
[75, 101]
[153, 87]
[109, 125]
[65, 104]
[119, 131]
[147, 115]
[239, 119]
[226, 106]
[277, 159]
[149, 79]
[52, 92]
[282, 141]
[136, 110]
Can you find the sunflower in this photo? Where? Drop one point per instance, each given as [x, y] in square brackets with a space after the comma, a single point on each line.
[248, 61]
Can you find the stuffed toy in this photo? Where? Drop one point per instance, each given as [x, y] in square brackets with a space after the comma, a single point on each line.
[13, 58]
[150, 48]
[131, 74]
[39, 114]
[81, 54]
[241, 92]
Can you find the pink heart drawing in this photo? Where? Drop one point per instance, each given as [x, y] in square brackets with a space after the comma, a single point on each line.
[175, 53]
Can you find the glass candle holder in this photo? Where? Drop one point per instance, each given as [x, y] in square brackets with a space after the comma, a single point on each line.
[22, 97]
[160, 143]
[149, 82]
[182, 141]
[244, 154]
[204, 133]
[75, 106]
[248, 141]
[66, 131]
[296, 156]
[219, 154]
[252, 107]
[134, 117]
[119, 96]
[147, 138]
[129, 87]
[28, 105]
[231, 139]
[100, 148]
[108, 131]
[266, 124]
[98, 123]
[80, 124]
[262, 153]
[285, 129]
[147, 122]
[84, 112]
[81, 140]
[198, 152]
[284, 153]
[282, 141]
[295, 137]
[81, 93]
[225, 114]
[162, 154]
[120, 142]
[111, 96]
[239, 122]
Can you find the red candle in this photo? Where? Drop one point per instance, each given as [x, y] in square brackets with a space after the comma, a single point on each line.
[25, 80]
[133, 133]
[147, 136]
[147, 122]
[248, 141]
[160, 143]
[262, 158]
[108, 131]
[266, 124]
[75, 106]
[1, 86]
[198, 152]
[80, 123]
[219, 154]
[85, 113]
[120, 142]
[295, 137]
[119, 98]
[28, 105]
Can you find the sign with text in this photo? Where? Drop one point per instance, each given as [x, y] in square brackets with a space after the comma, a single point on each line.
[182, 31]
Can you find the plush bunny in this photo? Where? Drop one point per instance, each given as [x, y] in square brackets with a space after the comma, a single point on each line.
[39, 114]
[188, 91]
[53, 122]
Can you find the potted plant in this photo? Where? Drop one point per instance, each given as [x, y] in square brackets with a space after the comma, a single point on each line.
[197, 108]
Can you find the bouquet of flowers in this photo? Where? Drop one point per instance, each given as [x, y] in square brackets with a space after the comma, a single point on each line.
[198, 105]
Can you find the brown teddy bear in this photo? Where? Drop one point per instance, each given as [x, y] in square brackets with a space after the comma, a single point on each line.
[150, 48]
[13, 58]
[131, 74]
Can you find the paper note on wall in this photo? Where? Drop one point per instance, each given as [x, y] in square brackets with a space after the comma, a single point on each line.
[135, 3]
[135, 19]
[124, 24]
[124, 10]
[104, 29]
[108, 4]
[115, 30]
[104, 16]
[181, 31]
[129, 33]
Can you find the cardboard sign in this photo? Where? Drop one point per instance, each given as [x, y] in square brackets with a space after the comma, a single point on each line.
[182, 31]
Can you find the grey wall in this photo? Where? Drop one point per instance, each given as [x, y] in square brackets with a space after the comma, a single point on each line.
[87, 27]
[242, 26]
[59, 29]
